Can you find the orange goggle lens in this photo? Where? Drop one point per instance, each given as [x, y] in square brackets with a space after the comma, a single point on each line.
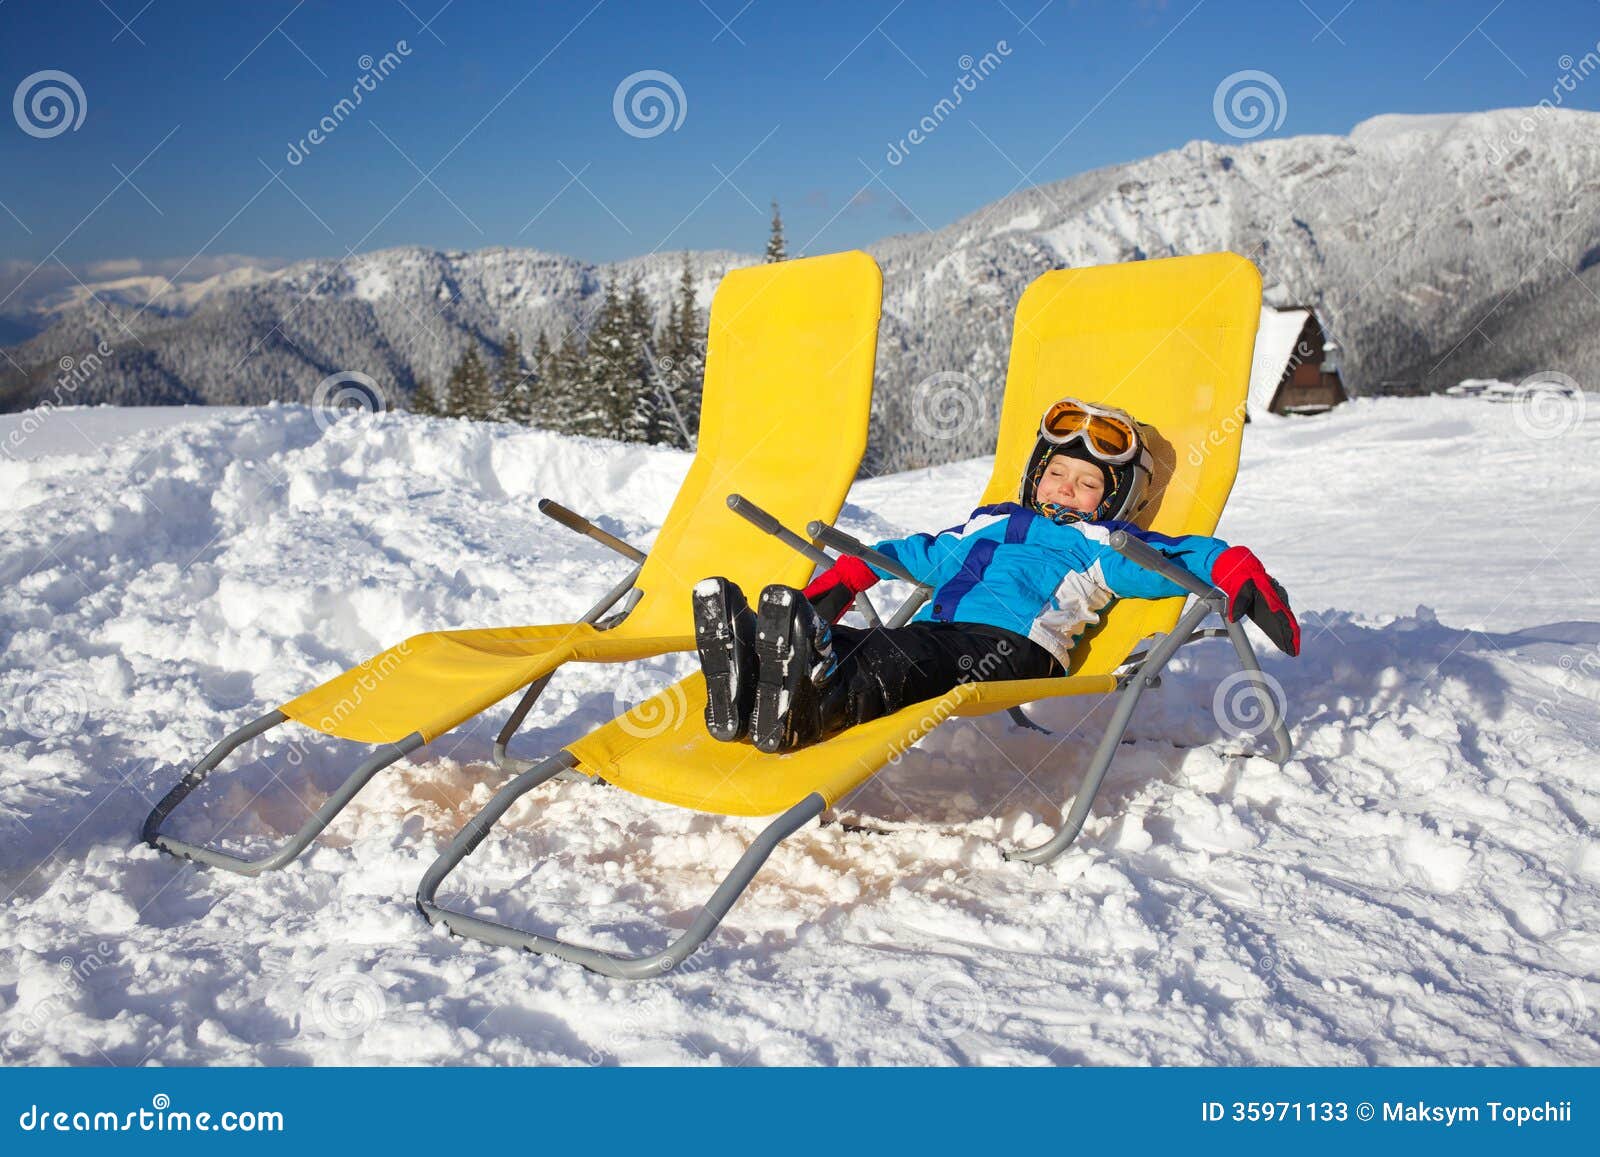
[1106, 435]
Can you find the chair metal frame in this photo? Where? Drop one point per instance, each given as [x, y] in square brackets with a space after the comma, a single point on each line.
[1141, 672]
[385, 755]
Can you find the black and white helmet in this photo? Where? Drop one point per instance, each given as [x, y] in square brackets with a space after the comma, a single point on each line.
[1126, 483]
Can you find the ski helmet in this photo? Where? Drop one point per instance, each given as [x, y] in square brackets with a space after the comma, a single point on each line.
[1098, 435]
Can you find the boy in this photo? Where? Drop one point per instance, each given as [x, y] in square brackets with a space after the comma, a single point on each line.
[1013, 588]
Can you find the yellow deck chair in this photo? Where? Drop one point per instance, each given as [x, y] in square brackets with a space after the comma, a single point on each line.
[1169, 340]
[789, 343]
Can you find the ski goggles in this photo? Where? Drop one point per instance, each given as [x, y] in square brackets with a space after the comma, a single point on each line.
[1109, 434]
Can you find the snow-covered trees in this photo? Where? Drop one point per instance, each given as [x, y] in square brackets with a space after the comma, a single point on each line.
[515, 389]
[469, 392]
[680, 364]
[616, 377]
[424, 401]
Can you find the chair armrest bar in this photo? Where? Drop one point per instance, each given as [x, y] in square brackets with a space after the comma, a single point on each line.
[846, 543]
[577, 522]
[764, 522]
[767, 524]
[1152, 559]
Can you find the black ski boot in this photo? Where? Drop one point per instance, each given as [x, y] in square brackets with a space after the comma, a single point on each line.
[724, 632]
[796, 665]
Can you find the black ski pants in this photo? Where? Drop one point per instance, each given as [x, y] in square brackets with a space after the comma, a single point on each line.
[886, 668]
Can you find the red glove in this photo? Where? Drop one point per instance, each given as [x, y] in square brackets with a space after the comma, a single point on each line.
[832, 591]
[1252, 591]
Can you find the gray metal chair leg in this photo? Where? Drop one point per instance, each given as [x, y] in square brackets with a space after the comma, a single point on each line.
[1149, 675]
[1269, 703]
[622, 967]
[388, 753]
[503, 759]
[1020, 718]
[1127, 699]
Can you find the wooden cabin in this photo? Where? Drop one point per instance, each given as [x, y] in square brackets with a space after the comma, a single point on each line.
[1295, 369]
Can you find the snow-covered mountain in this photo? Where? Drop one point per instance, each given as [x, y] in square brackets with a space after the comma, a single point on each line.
[251, 336]
[1434, 247]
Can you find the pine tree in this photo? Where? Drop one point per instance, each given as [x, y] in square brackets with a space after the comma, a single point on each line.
[570, 406]
[775, 247]
[449, 398]
[651, 420]
[424, 401]
[681, 365]
[544, 397]
[514, 388]
[471, 391]
[612, 377]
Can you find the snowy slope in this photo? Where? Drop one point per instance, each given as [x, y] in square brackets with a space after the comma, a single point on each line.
[1422, 884]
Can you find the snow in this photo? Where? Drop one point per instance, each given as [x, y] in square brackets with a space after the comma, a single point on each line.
[146, 291]
[1022, 221]
[1421, 884]
[1388, 127]
[73, 430]
[372, 282]
[1408, 212]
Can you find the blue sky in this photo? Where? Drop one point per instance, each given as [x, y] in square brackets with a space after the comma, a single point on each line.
[509, 110]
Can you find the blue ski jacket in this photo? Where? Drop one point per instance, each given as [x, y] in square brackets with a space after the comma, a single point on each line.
[1011, 567]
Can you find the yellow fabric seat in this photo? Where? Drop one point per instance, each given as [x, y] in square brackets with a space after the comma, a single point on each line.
[683, 765]
[1168, 340]
[447, 676]
[791, 350]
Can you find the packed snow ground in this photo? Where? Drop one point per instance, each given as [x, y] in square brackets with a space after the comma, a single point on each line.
[1421, 884]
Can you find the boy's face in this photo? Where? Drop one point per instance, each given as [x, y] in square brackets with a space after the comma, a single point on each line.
[1073, 483]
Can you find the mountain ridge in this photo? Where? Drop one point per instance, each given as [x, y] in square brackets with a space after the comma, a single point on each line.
[1434, 247]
